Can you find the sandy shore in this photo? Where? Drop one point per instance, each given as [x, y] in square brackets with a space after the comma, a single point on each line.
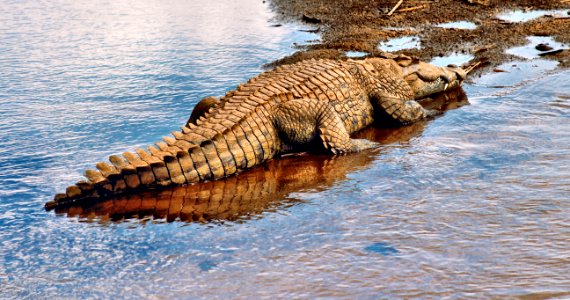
[361, 25]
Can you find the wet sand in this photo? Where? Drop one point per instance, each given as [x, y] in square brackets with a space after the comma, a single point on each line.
[361, 25]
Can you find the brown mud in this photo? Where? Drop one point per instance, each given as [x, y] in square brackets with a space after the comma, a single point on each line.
[360, 25]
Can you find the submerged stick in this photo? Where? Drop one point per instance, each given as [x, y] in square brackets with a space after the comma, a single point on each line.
[472, 67]
[395, 7]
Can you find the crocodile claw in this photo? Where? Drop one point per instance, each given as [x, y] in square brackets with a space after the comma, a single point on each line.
[363, 144]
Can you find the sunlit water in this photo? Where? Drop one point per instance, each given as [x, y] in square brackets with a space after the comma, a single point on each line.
[473, 204]
[459, 25]
[528, 15]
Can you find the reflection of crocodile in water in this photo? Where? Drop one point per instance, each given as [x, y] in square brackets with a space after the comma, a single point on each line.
[261, 189]
[312, 104]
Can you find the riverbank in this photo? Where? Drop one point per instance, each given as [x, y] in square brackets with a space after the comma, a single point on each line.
[481, 29]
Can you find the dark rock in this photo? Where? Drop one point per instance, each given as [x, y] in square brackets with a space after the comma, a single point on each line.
[543, 47]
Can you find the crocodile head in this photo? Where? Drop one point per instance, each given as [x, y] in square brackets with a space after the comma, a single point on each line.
[424, 79]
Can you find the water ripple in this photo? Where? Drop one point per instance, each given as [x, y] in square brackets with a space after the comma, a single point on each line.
[472, 204]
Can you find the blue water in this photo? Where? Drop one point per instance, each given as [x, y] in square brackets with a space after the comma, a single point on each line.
[473, 204]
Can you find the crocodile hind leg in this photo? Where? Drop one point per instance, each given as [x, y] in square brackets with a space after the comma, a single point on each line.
[202, 108]
[303, 121]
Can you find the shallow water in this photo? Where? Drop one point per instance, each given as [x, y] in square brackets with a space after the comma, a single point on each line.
[528, 15]
[356, 54]
[400, 43]
[529, 50]
[473, 204]
[459, 25]
[457, 59]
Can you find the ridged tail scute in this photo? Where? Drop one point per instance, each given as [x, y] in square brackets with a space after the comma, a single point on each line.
[144, 169]
[225, 154]
[213, 160]
[187, 165]
[174, 161]
[158, 173]
[200, 163]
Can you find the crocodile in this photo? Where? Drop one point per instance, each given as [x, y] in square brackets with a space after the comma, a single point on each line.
[313, 105]
[256, 191]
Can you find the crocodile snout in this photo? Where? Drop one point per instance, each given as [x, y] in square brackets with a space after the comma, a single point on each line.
[452, 76]
[452, 73]
[460, 73]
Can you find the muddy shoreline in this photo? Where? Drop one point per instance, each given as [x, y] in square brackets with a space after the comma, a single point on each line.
[361, 25]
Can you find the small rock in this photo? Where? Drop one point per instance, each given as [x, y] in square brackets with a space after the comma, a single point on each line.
[543, 47]
[276, 25]
[498, 70]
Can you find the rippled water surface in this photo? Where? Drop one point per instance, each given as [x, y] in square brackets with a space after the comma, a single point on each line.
[473, 204]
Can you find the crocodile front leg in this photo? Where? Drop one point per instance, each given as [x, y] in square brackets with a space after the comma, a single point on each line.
[303, 121]
[399, 106]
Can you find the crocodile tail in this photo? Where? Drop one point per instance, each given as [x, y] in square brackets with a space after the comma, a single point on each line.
[174, 161]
